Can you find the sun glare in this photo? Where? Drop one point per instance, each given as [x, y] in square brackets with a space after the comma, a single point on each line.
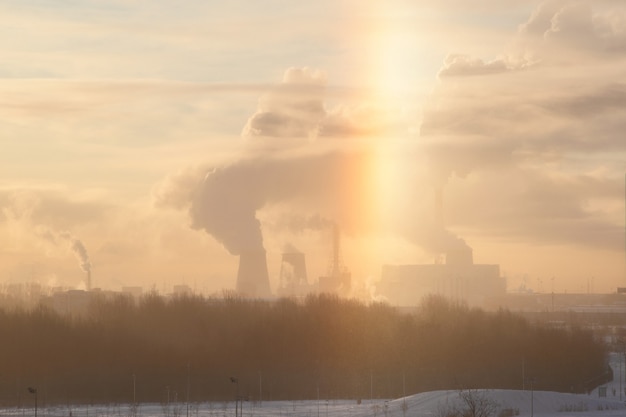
[393, 46]
[394, 67]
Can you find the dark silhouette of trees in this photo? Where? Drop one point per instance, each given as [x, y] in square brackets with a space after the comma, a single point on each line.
[171, 348]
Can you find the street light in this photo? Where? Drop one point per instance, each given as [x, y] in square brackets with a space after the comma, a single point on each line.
[236, 382]
[134, 391]
[532, 397]
[188, 385]
[34, 391]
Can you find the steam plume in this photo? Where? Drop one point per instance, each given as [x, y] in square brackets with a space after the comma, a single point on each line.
[75, 245]
[226, 201]
[325, 178]
[81, 253]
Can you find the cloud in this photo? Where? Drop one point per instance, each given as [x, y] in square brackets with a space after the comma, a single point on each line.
[50, 207]
[558, 32]
[74, 244]
[464, 65]
[325, 177]
[39, 217]
[224, 202]
[293, 109]
[542, 207]
[533, 133]
[568, 31]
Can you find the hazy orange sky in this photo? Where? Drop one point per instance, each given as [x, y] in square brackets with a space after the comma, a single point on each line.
[154, 140]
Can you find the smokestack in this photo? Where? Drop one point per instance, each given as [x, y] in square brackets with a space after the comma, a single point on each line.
[89, 280]
[338, 279]
[252, 276]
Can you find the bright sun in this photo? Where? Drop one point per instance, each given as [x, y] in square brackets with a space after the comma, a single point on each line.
[395, 71]
[393, 46]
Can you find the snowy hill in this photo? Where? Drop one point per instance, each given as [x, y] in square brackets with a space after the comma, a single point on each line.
[509, 402]
[545, 404]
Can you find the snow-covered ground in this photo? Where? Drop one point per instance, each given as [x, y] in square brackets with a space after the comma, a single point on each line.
[544, 404]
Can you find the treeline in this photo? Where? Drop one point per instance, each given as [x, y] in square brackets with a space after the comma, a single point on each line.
[160, 350]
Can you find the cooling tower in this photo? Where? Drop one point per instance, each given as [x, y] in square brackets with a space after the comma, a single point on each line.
[252, 277]
[293, 269]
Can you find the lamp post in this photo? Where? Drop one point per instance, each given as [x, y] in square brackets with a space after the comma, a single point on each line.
[532, 397]
[134, 394]
[34, 391]
[621, 355]
[188, 385]
[236, 382]
[260, 389]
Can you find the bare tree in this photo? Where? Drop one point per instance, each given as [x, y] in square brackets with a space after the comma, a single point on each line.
[474, 403]
[478, 404]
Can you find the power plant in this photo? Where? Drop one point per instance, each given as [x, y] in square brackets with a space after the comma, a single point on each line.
[252, 277]
[458, 279]
[338, 279]
[293, 280]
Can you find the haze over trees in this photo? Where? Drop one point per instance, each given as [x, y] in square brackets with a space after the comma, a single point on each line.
[171, 349]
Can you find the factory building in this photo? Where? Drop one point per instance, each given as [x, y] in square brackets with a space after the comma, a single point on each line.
[457, 279]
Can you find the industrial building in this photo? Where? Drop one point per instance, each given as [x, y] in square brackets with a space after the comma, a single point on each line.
[293, 280]
[458, 279]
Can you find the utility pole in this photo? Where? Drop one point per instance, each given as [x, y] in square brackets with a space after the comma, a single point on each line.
[622, 357]
[371, 386]
[236, 382]
[532, 397]
[134, 396]
[34, 391]
[188, 383]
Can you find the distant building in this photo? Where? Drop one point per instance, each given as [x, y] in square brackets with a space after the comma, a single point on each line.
[71, 301]
[458, 279]
[182, 289]
[134, 291]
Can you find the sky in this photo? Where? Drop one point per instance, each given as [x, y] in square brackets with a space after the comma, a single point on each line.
[151, 142]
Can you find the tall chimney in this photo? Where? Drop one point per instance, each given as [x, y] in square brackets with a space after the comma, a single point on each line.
[252, 276]
[89, 280]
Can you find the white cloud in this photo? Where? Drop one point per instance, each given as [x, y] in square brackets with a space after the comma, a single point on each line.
[529, 133]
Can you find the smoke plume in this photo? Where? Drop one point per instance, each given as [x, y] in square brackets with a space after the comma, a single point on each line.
[74, 245]
[227, 199]
[327, 178]
[81, 254]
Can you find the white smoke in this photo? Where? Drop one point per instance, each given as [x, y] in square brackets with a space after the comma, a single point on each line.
[72, 243]
[226, 201]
